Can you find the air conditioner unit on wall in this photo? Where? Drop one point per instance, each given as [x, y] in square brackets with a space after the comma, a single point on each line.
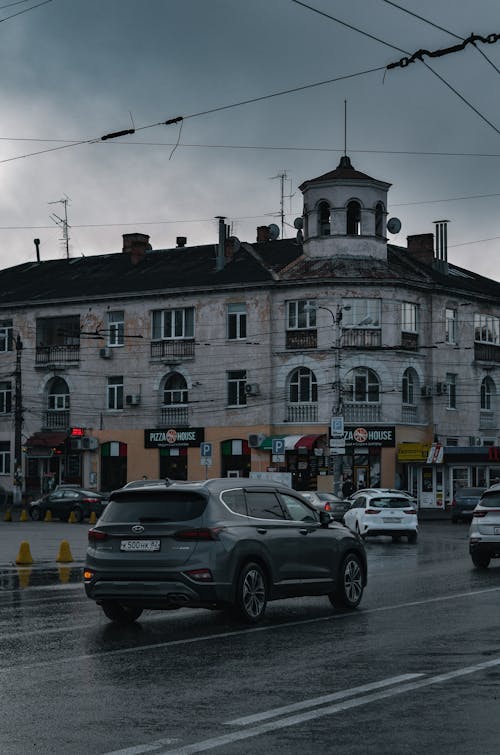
[252, 389]
[255, 439]
[442, 389]
[76, 444]
[426, 391]
[133, 399]
[89, 443]
[105, 352]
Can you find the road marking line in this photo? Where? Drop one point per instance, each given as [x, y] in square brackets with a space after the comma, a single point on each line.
[139, 749]
[314, 701]
[226, 739]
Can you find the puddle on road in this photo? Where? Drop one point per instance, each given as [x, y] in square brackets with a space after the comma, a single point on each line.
[23, 577]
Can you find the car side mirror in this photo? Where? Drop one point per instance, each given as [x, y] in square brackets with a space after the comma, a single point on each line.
[324, 518]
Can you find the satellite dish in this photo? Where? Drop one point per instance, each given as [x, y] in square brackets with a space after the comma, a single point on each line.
[394, 225]
[298, 223]
[274, 231]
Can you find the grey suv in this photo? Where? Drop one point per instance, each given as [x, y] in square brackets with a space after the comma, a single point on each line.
[218, 544]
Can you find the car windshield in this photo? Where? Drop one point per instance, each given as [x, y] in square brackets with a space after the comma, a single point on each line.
[491, 500]
[151, 506]
[390, 503]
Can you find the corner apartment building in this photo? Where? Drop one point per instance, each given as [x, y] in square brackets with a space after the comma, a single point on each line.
[188, 362]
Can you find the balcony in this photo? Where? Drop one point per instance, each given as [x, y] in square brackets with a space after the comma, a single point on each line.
[172, 350]
[355, 412]
[410, 414]
[301, 339]
[486, 352]
[487, 420]
[55, 420]
[46, 356]
[174, 416]
[301, 413]
[409, 341]
[361, 338]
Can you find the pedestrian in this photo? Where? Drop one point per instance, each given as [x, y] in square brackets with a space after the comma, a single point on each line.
[348, 487]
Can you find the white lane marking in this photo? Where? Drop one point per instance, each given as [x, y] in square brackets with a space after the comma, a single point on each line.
[236, 633]
[314, 701]
[226, 739]
[139, 749]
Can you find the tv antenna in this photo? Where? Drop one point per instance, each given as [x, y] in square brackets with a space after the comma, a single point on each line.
[282, 177]
[62, 222]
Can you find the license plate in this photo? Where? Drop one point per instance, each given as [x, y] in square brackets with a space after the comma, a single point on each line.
[140, 545]
[394, 520]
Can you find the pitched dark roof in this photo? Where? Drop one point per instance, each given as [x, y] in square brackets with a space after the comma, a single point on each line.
[344, 171]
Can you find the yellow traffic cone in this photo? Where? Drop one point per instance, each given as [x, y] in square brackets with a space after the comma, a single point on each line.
[64, 573]
[24, 516]
[23, 576]
[7, 516]
[48, 516]
[92, 517]
[71, 518]
[64, 556]
[24, 555]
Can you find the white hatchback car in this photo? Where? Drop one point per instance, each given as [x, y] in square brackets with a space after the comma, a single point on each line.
[383, 512]
[484, 533]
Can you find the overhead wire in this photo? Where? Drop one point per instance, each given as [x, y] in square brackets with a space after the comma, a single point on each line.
[25, 10]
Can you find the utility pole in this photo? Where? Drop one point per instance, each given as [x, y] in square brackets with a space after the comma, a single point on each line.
[18, 420]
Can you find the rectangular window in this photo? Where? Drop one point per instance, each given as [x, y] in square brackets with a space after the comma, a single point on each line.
[116, 328]
[115, 392]
[5, 397]
[173, 323]
[58, 401]
[408, 317]
[236, 322]
[451, 326]
[4, 457]
[361, 313]
[6, 336]
[301, 314]
[451, 381]
[236, 383]
[486, 328]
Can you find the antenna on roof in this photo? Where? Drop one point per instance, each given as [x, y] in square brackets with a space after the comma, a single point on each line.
[345, 128]
[62, 222]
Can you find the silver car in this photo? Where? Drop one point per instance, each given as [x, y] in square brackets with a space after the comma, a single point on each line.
[218, 544]
[484, 532]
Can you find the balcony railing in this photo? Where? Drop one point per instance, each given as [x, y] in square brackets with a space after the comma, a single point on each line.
[57, 354]
[56, 420]
[486, 352]
[487, 420]
[301, 339]
[410, 415]
[302, 413]
[361, 338]
[173, 350]
[174, 415]
[409, 341]
[361, 412]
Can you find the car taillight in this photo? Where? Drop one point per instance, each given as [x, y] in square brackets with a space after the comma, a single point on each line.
[409, 511]
[328, 507]
[479, 514]
[201, 533]
[97, 535]
[372, 511]
[90, 500]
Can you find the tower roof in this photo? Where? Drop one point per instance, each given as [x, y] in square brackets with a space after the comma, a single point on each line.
[344, 171]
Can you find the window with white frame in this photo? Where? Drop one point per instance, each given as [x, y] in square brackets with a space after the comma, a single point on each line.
[114, 392]
[486, 329]
[301, 314]
[4, 457]
[361, 313]
[451, 381]
[173, 323]
[409, 317]
[363, 386]
[487, 394]
[450, 325]
[410, 385]
[5, 397]
[175, 389]
[303, 386]
[116, 328]
[236, 322]
[58, 395]
[236, 383]
[6, 337]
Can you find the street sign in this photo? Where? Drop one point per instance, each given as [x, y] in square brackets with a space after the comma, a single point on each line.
[337, 443]
[278, 458]
[206, 461]
[338, 451]
[205, 450]
[337, 426]
[278, 446]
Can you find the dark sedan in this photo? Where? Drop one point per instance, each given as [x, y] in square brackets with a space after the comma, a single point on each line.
[62, 502]
[464, 502]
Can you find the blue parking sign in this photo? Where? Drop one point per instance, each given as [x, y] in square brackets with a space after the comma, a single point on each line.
[205, 449]
[278, 446]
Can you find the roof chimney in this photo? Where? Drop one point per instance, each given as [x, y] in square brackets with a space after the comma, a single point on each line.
[37, 246]
[421, 247]
[181, 241]
[263, 233]
[136, 244]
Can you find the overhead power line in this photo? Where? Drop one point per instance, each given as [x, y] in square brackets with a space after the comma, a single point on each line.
[25, 10]
[419, 55]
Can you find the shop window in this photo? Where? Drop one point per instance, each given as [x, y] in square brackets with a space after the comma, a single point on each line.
[113, 465]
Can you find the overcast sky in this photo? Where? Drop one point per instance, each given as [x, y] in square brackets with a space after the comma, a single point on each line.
[74, 70]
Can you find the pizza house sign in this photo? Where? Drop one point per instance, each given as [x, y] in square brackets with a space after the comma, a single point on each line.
[370, 436]
[174, 437]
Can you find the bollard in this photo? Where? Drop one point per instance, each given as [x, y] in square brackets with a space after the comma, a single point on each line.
[24, 516]
[64, 556]
[24, 555]
[72, 518]
[48, 516]
[92, 517]
[8, 516]
[64, 574]
[23, 576]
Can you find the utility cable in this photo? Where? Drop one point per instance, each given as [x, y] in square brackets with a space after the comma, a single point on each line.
[7, 18]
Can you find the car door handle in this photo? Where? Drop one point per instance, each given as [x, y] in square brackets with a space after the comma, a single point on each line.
[261, 531]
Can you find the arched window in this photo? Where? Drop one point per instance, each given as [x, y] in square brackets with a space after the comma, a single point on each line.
[175, 390]
[302, 387]
[353, 218]
[379, 219]
[488, 392]
[58, 395]
[410, 386]
[324, 219]
[363, 386]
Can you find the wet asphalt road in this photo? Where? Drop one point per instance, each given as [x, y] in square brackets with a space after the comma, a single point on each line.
[416, 669]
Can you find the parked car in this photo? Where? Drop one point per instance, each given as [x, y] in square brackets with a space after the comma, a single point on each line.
[219, 544]
[484, 532]
[62, 502]
[464, 502]
[379, 511]
[330, 502]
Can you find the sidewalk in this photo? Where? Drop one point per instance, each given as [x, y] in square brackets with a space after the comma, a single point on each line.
[44, 540]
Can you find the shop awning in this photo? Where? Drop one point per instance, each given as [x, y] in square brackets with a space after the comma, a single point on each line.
[46, 439]
[307, 441]
[267, 443]
[292, 442]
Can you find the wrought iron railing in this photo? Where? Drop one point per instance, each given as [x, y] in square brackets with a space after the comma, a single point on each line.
[173, 349]
[361, 338]
[57, 354]
[174, 415]
[361, 412]
[56, 420]
[487, 352]
[301, 339]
